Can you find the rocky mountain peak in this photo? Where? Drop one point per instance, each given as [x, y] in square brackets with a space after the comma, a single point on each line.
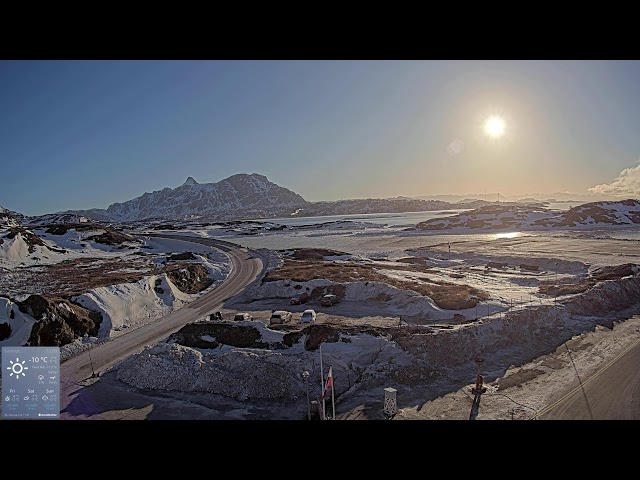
[190, 181]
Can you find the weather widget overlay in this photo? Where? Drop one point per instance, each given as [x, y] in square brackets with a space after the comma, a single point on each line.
[31, 382]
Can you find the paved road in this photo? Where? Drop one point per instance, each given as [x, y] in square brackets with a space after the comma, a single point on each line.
[78, 369]
[613, 393]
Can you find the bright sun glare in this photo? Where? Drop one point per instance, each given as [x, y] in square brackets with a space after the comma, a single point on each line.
[494, 126]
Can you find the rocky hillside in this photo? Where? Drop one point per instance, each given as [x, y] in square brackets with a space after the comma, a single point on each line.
[59, 321]
[532, 217]
[16, 241]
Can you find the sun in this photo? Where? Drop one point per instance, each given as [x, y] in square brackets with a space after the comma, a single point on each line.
[17, 368]
[494, 126]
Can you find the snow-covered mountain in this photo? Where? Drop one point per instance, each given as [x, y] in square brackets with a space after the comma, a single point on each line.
[532, 217]
[241, 195]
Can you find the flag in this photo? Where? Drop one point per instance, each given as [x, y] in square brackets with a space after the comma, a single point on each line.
[329, 383]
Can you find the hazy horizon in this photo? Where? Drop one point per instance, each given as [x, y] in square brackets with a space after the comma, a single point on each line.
[85, 134]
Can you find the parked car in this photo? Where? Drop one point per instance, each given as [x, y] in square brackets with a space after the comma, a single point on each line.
[280, 316]
[299, 299]
[216, 316]
[242, 316]
[328, 300]
[308, 316]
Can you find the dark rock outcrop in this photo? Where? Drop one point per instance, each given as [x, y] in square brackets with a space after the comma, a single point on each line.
[59, 321]
[5, 331]
[189, 277]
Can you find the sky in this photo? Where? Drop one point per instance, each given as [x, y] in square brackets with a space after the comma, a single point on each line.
[80, 134]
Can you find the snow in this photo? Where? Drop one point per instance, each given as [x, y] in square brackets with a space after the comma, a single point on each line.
[72, 245]
[515, 332]
[129, 305]
[442, 361]
[190, 181]
[512, 340]
[14, 250]
[20, 325]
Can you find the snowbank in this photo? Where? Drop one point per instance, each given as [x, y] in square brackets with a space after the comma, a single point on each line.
[20, 325]
[265, 374]
[14, 250]
[132, 304]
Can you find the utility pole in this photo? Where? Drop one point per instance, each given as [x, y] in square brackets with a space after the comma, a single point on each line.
[305, 376]
[93, 374]
[555, 299]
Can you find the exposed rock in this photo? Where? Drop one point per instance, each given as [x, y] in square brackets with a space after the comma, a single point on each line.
[181, 256]
[30, 238]
[607, 296]
[241, 336]
[108, 236]
[612, 272]
[5, 331]
[532, 268]
[60, 321]
[189, 277]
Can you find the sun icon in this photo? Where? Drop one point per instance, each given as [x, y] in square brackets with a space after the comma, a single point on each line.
[17, 368]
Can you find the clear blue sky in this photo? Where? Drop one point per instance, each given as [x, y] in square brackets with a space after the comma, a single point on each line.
[85, 134]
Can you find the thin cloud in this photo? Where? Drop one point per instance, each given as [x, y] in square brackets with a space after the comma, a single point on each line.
[627, 183]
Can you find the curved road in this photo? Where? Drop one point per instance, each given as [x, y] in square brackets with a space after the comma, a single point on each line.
[245, 269]
[613, 393]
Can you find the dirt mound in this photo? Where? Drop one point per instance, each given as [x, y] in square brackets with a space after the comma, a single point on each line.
[447, 296]
[553, 290]
[60, 321]
[213, 334]
[181, 256]
[241, 336]
[315, 253]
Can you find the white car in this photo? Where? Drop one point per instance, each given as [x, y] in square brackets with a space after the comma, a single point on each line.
[308, 316]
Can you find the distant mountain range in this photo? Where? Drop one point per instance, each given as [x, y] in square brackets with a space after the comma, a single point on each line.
[530, 197]
[251, 196]
[243, 196]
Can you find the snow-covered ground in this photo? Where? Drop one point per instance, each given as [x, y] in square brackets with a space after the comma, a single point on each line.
[529, 360]
[434, 368]
[20, 324]
[125, 305]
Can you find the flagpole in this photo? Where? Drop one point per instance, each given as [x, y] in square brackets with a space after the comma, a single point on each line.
[323, 416]
[333, 398]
